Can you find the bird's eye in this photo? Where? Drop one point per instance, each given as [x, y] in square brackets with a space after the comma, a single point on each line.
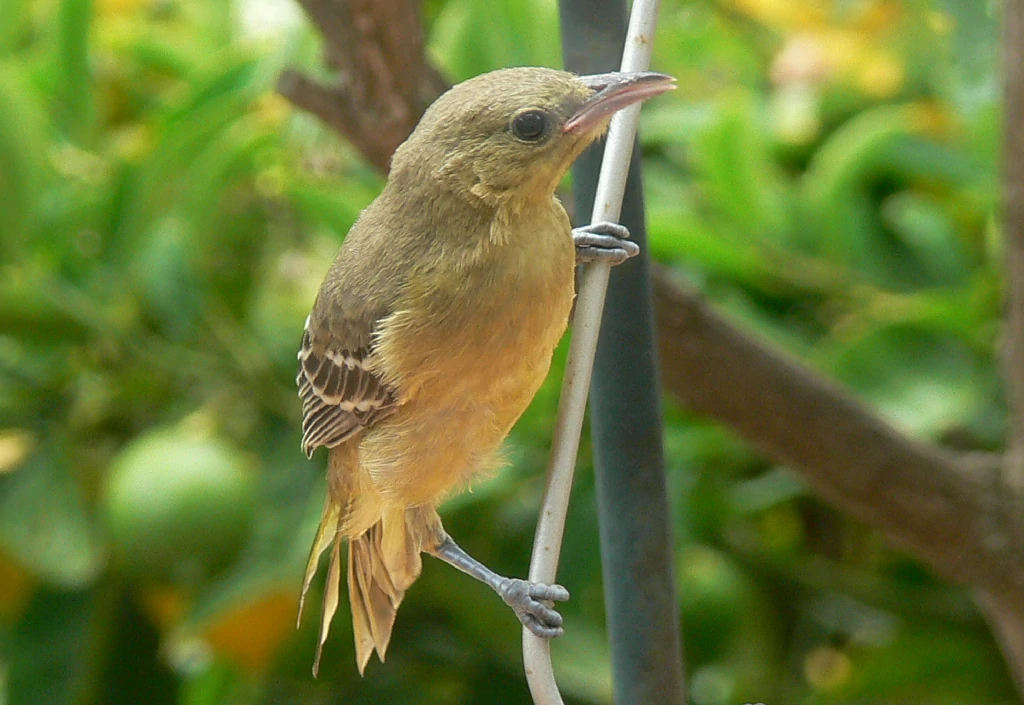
[530, 125]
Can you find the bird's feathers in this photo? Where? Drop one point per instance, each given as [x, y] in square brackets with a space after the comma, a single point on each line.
[373, 596]
[340, 394]
[325, 536]
[433, 330]
[332, 592]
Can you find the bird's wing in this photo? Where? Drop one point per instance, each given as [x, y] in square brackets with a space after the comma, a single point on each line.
[340, 393]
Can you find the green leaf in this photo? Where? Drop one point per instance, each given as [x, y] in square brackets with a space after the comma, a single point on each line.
[160, 54]
[80, 648]
[187, 132]
[231, 76]
[739, 177]
[32, 309]
[914, 668]
[230, 158]
[767, 490]
[922, 225]
[213, 686]
[918, 158]
[162, 271]
[74, 21]
[842, 223]
[925, 383]
[336, 205]
[13, 22]
[23, 146]
[470, 37]
[45, 524]
[134, 667]
[50, 649]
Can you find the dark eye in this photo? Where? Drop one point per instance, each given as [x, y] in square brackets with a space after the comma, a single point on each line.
[530, 125]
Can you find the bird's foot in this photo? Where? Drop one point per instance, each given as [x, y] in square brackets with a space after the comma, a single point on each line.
[603, 242]
[528, 599]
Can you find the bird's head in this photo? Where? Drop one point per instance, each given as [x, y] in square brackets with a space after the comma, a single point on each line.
[513, 133]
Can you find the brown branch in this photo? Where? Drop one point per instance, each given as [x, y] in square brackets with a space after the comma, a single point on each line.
[1013, 224]
[935, 503]
[1007, 623]
[943, 508]
[922, 497]
[383, 81]
[1007, 618]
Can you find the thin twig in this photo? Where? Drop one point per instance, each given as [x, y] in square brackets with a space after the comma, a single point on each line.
[576, 382]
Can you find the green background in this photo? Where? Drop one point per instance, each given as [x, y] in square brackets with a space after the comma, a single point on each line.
[826, 174]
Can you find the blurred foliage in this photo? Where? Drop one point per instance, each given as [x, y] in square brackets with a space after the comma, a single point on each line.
[826, 173]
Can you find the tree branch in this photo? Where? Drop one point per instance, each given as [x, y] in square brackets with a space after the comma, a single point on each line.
[384, 82]
[922, 497]
[1007, 618]
[1013, 225]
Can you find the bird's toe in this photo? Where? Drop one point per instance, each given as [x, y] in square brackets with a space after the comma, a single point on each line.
[525, 599]
[605, 242]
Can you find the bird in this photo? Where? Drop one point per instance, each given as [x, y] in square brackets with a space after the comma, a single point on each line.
[436, 324]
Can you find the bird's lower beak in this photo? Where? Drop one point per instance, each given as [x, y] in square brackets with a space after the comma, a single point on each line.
[612, 93]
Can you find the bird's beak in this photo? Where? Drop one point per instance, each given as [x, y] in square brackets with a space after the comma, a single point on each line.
[612, 93]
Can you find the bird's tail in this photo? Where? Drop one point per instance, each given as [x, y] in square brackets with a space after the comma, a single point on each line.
[327, 536]
[383, 562]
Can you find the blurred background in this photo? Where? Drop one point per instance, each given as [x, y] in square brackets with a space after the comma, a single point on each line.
[826, 174]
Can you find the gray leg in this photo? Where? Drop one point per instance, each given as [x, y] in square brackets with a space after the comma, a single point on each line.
[525, 598]
[605, 242]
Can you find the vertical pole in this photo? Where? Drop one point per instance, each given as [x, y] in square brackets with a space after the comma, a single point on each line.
[635, 526]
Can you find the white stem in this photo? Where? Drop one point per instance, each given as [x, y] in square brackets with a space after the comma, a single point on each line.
[586, 325]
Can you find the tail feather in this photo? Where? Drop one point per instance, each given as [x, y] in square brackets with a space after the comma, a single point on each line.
[373, 597]
[325, 535]
[360, 614]
[331, 597]
[383, 561]
[400, 550]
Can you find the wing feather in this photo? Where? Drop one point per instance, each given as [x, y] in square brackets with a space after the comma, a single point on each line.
[340, 393]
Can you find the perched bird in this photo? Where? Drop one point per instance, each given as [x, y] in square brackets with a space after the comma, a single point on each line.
[436, 324]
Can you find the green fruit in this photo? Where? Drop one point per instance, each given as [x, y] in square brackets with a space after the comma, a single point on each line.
[178, 505]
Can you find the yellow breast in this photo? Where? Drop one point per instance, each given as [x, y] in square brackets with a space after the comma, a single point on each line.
[468, 354]
[496, 310]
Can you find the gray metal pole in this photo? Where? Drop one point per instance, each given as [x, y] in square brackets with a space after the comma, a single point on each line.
[635, 526]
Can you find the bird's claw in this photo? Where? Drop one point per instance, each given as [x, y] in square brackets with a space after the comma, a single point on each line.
[527, 600]
[604, 242]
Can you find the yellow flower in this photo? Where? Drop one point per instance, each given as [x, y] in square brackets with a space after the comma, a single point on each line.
[786, 15]
[878, 16]
[880, 74]
[118, 7]
[827, 668]
[272, 110]
[15, 446]
[940, 22]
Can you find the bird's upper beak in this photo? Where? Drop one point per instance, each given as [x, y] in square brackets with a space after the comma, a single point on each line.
[612, 93]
